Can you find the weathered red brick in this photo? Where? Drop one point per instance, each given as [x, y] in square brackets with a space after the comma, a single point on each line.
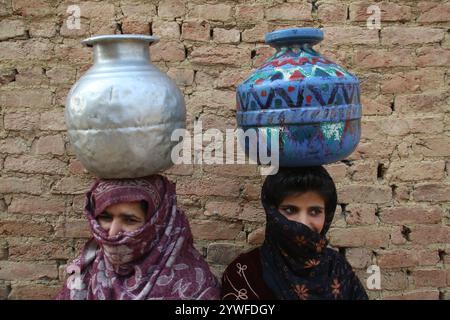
[226, 35]
[166, 29]
[13, 145]
[73, 229]
[373, 150]
[33, 291]
[337, 171]
[289, 11]
[4, 290]
[433, 11]
[257, 236]
[423, 103]
[390, 259]
[332, 12]
[433, 57]
[32, 9]
[433, 147]
[425, 235]
[411, 215]
[261, 55]
[37, 205]
[76, 167]
[359, 257]
[169, 51]
[253, 212]
[380, 106]
[251, 190]
[360, 214]
[364, 171]
[220, 55]
[364, 194]
[389, 11]
[34, 164]
[382, 58]
[209, 187]
[350, 35]
[25, 229]
[172, 8]
[182, 77]
[52, 120]
[214, 230]
[42, 28]
[27, 271]
[214, 12]
[196, 30]
[21, 120]
[416, 171]
[21, 185]
[30, 49]
[398, 236]
[255, 34]
[53, 144]
[11, 29]
[410, 35]
[39, 250]
[247, 14]
[70, 50]
[71, 185]
[415, 295]
[217, 99]
[232, 170]
[428, 257]
[412, 81]
[227, 209]
[433, 192]
[231, 78]
[429, 278]
[223, 253]
[359, 237]
[61, 74]
[393, 280]
[32, 98]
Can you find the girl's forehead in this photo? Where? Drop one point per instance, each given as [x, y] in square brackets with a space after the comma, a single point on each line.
[309, 196]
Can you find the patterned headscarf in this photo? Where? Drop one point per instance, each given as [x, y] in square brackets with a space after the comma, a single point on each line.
[156, 261]
[298, 265]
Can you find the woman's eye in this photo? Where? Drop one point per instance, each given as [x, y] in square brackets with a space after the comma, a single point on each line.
[104, 218]
[130, 220]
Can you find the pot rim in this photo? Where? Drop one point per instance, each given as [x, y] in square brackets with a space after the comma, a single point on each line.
[89, 42]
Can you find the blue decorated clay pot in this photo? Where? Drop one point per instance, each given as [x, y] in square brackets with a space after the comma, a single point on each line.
[311, 102]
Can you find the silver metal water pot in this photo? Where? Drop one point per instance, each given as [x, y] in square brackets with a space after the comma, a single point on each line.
[121, 113]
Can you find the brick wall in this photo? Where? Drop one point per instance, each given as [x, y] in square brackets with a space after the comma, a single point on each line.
[394, 190]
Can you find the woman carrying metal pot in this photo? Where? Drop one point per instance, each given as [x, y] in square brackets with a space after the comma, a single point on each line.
[142, 246]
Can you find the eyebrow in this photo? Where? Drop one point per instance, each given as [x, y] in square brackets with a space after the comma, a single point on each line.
[122, 214]
[311, 207]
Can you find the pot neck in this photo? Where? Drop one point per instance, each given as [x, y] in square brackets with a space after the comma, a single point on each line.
[307, 47]
[131, 51]
[125, 48]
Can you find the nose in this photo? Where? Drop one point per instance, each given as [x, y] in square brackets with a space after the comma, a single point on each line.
[114, 228]
[304, 219]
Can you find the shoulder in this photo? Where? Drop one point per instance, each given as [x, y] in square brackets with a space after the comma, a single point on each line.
[339, 265]
[240, 278]
[247, 261]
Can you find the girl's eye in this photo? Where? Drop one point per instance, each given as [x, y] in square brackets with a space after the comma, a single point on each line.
[315, 212]
[289, 210]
